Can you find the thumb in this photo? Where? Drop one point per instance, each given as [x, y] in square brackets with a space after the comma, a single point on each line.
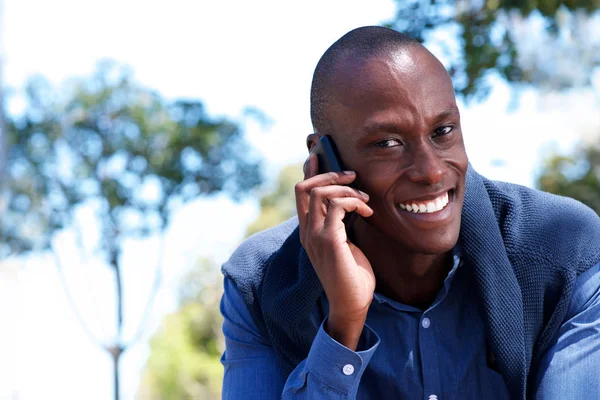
[311, 166]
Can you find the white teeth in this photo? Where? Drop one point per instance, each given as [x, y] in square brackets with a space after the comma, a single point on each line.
[431, 208]
[428, 207]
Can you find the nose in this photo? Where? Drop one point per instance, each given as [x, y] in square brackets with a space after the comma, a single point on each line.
[427, 167]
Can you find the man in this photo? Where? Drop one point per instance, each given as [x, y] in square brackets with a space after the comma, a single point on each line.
[447, 285]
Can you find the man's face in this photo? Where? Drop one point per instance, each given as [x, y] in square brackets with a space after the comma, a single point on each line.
[396, 123]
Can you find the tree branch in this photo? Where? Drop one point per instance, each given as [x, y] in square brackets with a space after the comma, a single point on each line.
[153, 293]
[83, 257]
[71, 301]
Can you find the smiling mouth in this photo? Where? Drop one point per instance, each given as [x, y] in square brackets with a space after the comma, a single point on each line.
[426, 206]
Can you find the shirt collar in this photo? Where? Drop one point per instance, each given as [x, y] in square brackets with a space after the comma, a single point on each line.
[456, 263]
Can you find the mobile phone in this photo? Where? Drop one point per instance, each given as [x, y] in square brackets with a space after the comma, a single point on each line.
[329, 160]
[328, 156]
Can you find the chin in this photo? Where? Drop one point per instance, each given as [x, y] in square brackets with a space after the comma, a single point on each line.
[434, 246]
[433, 232]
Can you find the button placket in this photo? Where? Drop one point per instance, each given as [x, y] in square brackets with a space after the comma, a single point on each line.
[427, 344]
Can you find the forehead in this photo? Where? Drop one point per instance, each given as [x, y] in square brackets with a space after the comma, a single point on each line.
[409, 82]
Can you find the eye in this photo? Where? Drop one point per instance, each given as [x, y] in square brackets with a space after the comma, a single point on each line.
[443, 130]
[388, 143]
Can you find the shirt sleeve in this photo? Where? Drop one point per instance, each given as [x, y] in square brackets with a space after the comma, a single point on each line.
[570, 367]
[252, 369]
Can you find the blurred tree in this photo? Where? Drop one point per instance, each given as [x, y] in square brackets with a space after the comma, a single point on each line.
[108, 145]
[546, 43]
[576, 175]
[185, 353]
[280, 204]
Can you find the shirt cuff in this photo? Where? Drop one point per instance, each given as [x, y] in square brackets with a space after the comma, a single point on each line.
[336, 365]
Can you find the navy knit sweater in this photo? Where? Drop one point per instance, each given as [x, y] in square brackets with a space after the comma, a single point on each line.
[523, 249]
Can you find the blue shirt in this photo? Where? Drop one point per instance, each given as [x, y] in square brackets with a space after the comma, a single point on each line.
[407, 353]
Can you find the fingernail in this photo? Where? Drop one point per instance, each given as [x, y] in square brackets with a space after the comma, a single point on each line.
[363, 193]
[349, 172]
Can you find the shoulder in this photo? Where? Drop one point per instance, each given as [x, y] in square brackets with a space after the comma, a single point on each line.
[534, 221]
[247, 263]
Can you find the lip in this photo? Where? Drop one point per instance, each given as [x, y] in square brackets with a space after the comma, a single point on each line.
[436, 217]
[428, 197]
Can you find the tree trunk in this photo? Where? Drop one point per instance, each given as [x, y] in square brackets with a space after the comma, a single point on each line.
[114, 260]
[117, 349]
[116, 376]
[115, 353]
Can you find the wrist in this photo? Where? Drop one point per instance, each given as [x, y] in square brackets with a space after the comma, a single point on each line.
[345, 329]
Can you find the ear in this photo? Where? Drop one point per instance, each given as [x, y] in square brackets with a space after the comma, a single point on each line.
[311, 141]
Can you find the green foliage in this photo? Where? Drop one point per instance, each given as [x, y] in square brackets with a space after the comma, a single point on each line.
[493, 37]
[185, 353]
[184, 362]
[111, 144]
[280, 204]
[576, 175]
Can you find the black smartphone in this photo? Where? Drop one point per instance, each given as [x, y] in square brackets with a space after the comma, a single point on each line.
[328, 156]
[329, 161]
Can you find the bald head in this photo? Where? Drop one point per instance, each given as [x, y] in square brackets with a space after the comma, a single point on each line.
[360, 44]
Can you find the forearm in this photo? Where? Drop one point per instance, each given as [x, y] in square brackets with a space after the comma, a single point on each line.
[253, 369]
[330, 371]
[570, 367]
[344, 330]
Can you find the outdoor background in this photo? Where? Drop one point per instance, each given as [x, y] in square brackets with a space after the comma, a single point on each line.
[143, 140]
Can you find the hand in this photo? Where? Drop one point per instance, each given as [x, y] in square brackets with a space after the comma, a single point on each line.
[322, 201]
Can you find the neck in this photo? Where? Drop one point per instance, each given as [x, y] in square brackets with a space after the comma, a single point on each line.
[402, 275]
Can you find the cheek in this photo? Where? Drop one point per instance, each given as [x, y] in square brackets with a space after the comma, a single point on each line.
[458, 167]
[459, 158]
[376, 182]
[378, 186]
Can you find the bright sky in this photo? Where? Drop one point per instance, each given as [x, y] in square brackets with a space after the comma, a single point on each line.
[230, 54]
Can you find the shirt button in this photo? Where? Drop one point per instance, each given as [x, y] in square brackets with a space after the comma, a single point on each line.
[348, 369]
[426, 322]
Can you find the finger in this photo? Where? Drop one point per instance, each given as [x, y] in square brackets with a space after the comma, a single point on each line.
[321, 196]
[325, 193]
[329, 178]
[320, 203]
[339, 207]
[304, 188]
[302, 205]
[302, 194]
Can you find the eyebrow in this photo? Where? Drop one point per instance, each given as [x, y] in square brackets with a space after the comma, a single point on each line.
[393, 127]
[447, 113]
[380, 127]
